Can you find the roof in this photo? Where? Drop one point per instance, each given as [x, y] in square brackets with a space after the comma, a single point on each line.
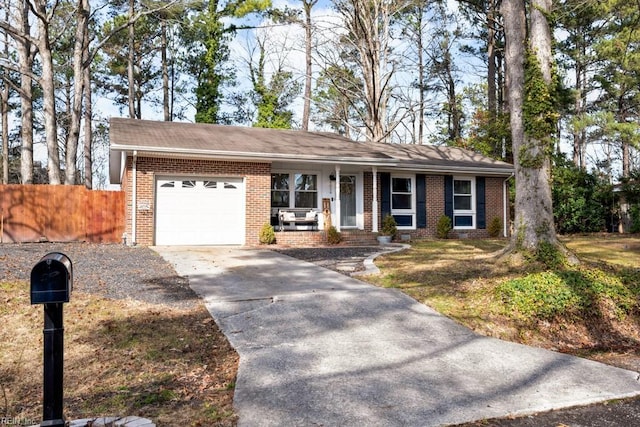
[189, 140]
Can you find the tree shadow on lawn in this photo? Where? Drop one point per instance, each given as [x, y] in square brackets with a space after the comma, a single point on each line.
[459, 278]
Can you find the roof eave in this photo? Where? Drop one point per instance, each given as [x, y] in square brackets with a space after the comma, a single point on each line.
[452, 170]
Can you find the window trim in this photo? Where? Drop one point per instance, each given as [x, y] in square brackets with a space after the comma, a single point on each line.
[404, 212]
[465, 212]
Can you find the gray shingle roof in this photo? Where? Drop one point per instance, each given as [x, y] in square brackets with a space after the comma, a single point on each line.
[234, 142]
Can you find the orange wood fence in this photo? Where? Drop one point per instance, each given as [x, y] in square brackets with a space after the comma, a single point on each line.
[60, 213]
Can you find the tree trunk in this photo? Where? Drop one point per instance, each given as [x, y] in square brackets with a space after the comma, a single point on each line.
[130, 64]
[88, 113]
[48, 93]
[165, 70]
[4, 111]
[26, 97]
[491, 60]
[533, 210]
[80, 47]
[454, 114]
[308, 5]
[580, 135]
[421, 71]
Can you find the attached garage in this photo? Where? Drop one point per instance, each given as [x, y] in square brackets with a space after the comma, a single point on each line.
[200, 211]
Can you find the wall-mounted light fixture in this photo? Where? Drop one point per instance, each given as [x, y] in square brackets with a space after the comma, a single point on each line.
[332, 177]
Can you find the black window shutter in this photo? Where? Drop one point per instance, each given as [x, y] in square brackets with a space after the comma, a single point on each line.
[448, 196]
[421, 201]
[385, 194]
[481, 214]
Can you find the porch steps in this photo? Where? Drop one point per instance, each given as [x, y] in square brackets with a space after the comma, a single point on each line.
[358, 238]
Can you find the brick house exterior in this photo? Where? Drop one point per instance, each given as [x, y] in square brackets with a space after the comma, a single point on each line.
[416, 184]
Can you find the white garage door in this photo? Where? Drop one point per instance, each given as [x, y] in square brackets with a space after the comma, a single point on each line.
[197, 211]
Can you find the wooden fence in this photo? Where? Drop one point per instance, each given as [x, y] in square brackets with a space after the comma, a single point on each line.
[60, 213]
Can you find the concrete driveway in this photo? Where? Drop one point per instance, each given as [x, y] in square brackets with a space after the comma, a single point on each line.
[318, 348]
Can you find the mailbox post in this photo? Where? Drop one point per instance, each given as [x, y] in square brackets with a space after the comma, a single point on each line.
[51, 284]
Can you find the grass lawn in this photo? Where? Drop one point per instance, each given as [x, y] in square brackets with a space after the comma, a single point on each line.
[591, 310]
[121, 358]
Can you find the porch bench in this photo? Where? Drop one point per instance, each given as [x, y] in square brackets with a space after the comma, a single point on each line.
[298, 216]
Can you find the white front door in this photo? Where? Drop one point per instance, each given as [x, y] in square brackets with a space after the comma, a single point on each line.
[200, 211]
[348, 210]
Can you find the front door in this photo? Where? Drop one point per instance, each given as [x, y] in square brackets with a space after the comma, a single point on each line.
[348, 201]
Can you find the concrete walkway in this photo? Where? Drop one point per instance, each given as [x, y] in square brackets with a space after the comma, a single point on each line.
[318, 348]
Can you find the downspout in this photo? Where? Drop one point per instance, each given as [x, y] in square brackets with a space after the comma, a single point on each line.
[134, 198]
[338, 214]
[374, 201]
[505, 201]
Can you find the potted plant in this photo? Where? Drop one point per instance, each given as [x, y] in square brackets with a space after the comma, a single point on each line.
[388, 230]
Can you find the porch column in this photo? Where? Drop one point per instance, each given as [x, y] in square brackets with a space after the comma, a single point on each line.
[374, 201]
[338, 197]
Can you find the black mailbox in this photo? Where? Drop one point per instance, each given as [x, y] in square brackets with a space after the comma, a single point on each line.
[52, 279]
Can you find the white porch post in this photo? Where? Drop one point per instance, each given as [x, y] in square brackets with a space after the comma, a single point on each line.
[338, 197]
[374, 201]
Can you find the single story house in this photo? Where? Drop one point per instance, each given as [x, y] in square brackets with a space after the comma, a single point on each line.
[202, 184]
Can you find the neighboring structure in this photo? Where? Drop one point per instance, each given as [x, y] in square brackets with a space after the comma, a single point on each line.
[201, 184]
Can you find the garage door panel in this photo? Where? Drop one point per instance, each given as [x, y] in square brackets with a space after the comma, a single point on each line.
[206, 211]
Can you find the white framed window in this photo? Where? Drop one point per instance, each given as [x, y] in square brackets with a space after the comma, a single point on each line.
[403, 200]
[294, 190]
[464, 202]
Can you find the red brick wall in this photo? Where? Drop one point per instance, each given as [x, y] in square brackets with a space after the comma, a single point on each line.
[368, 196]
[494, 200]
[257, 184]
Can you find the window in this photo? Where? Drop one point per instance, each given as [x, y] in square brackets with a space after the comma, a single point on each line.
[463, 203]
[170, 184]
[188, 184]
[403, 201]
[280, 190]
[295, 190]
[401, 194]
[306, 191]
[210, 184]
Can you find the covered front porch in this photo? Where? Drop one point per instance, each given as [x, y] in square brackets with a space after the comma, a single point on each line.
[342, 196]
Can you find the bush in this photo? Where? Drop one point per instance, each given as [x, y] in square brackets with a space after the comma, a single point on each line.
[333, 236]
[443, 227]
[566, 294]
[389, 226]
[582, 202]
[267, 235]
[495, 227]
